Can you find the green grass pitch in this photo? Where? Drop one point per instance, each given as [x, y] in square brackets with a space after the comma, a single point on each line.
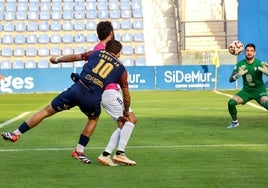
[180, 140]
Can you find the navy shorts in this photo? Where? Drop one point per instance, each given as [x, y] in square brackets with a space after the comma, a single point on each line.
[78, 95]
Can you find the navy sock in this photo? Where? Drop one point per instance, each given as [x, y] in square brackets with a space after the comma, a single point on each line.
[24, 127]
[83, 140]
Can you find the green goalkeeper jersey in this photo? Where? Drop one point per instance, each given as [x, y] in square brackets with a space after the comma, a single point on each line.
[252, 80]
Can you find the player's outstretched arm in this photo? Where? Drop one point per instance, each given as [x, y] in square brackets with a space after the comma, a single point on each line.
[70, 58]
[264, 68]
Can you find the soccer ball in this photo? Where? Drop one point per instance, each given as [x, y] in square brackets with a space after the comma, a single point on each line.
[236, 47]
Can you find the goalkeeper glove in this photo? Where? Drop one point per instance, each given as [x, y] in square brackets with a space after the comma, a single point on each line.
[241, 72]
[264, 68]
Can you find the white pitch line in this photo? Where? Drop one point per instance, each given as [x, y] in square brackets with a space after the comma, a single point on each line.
[14, 119]
[249, 103]
[142, 147]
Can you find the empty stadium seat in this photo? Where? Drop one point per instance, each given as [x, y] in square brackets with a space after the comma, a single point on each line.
[137, 13]
[43, 39]
[20, 27]
[139, 37]
[55, 38]
[102, 5]
[67, 38]
[139, 50]
[30, 64]
[45, 6]
[18, 64]
[91, 14]
[19, 52]
[8, 39]
[43, 52]
[6, 64]
[8, 26]
[103, 14]
[126, 24]
[91, 25]
[67, 6]
[68, 15]
[79, 38]
[42, 63]
[55, 51]
[67, 51]
[140, 61]
[44, 26]
[114, 14]
[137, 24]
[127, 37]
[67, 26]
[7, 52]
[127, 50]
[79, 26]
[128, 62]
[44, 15]
[92, 37]
[33, 15]
[10, 15]
[32, 26]
[31, 39]
[126, 13]
[125, 5]
[20, 39]
[21, 15]
[31, 52]
[79, 63]
[55, 26]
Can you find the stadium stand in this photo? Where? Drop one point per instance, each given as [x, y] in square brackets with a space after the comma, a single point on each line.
[34, 30]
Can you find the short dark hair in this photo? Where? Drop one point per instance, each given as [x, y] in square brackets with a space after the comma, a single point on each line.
[113, 46]
[251, 45]
[103, 29]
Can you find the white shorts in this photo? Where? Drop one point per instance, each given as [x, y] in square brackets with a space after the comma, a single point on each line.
[112, 102]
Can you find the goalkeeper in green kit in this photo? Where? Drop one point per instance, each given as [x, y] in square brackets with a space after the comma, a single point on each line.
[251, 71]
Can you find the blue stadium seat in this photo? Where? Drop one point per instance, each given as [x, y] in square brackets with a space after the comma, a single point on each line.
[139, 37]
[19, 52]
[116, 24]
[127, 50]
[43, 52]
[10, 6]
[91, 5]
[137, 13]
[117, 36]
[126, 24]
[44, 26]
[126, 13]
[114, 14]
[67, 26]
[79, 50]
[20, 26]
[33, 15]
[31, 52]
[32, 26]
[56, 15]
[56, 6]
[42, 63]
[44, 15]
[33, 6]
[127, 37]
[79, 63]
[2, 7]
[67, 38]
[103, 14]
[6, 64]
[21, 15]
[24, 1]
[18, 64]
[91, 25]
[22, 6]
[9, 16]
[55, 51]
[140, 61]
[55, 39]
[68, 15]
[1, 16]
[113, 5]
[31, 39]
[67, 65]
[79, 38]
[139, 50]
[137, 24]
[20, 39]
[45, 6]
[136, 4]
[92, 37]
[30, 64]
[67, 6]
[7, 52]
[55, 26]
[54, 65]
[67, 51]
[8, 39]
[79, 15]
[102, 5]
[128, 62]
[79, 5]
[125, 5]
[79, 25]
[8, 26]
[91, 14]
[43, 39]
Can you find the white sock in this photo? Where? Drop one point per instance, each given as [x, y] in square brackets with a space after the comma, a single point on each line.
[17, 132]
[125, 135]
[113, 141]
[80, 148]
